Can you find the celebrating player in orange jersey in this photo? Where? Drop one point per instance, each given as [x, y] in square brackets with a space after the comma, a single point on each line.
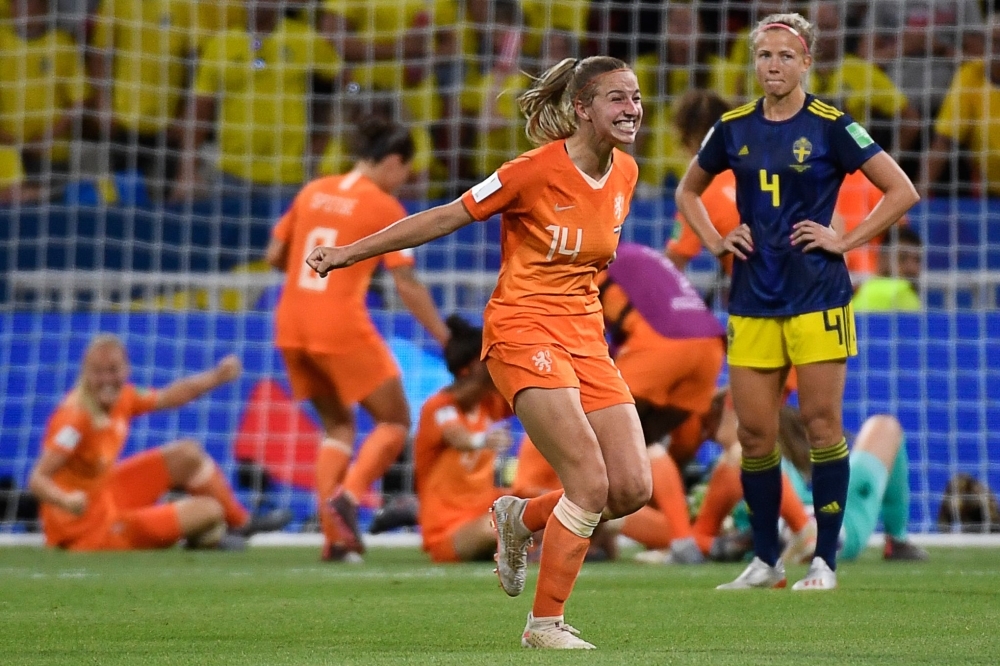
[562, 206]
[91, 502]
[334, 354]
[454, 453]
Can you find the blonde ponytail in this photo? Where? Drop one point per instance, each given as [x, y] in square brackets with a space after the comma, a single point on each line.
[548, 104]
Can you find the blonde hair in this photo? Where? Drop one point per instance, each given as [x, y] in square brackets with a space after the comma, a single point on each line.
[806, 30]
[98, 341]
[548, 105]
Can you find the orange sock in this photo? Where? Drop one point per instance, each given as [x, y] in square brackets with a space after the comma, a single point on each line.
[792, 509]
[668, 493]
[379, 450]
[649, 527]
[562, 559]
[218, 488]
[725, 490]
[538, 509]
[331, 463]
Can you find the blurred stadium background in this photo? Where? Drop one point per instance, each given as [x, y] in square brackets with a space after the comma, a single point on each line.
[148, 146]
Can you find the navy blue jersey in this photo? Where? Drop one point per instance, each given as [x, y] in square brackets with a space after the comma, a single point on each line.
[786, 171]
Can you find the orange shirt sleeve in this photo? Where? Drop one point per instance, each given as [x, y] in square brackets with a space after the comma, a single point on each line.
[428, 443]
[66, 429]
[143, 400]
[502, 191]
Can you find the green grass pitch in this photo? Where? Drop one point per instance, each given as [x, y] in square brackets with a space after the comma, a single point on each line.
[282, 606]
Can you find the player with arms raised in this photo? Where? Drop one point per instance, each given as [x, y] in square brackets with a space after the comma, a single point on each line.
[791, 291]
[562, 208]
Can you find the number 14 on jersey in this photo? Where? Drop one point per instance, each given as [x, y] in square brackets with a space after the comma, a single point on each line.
[560, 236]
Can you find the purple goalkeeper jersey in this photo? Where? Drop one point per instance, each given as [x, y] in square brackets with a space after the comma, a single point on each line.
[659, 292]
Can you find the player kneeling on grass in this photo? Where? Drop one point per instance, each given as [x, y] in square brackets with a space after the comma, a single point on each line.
[456, 446]
[92, 502]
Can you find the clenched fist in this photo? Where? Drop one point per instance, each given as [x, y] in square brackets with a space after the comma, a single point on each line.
[228, 369]
[325, 259]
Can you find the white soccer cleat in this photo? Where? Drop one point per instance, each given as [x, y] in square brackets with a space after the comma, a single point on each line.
[819, 577]
[758, 575]
[661, 556]
[513, 540]
[552, 634]
[802, 545]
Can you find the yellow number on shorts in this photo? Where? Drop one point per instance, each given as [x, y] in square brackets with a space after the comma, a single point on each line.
[772, 186]
[837, 324]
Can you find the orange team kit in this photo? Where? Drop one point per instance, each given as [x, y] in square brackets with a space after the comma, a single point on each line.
[323, 327]
[544, 325]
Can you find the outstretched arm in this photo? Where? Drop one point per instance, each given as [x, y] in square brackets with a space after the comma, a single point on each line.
[418, 301]
[409, 232]
[189, 388]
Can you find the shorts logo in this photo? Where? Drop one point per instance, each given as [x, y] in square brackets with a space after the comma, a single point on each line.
[543, 360]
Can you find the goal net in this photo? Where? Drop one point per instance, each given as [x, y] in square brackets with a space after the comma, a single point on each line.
[147, 150]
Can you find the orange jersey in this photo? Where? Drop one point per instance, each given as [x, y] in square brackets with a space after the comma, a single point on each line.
[452, 483]
[93, 446]
[720, 202]
[559, 228]
[857, 198]
[329, 314]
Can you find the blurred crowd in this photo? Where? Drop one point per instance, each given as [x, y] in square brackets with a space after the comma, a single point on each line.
[196, 98]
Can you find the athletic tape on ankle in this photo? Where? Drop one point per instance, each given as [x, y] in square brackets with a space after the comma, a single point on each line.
[578, 521]
[337, 444]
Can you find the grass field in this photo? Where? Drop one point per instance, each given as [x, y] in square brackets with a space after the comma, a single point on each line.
[282, 606]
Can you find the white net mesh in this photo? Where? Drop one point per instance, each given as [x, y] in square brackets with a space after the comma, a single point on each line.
[146, 150]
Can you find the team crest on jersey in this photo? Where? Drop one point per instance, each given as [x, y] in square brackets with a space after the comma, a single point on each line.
[801, 149]
[542, 360]
[619, 206]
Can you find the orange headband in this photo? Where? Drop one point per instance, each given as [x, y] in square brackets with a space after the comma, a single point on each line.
[790, 29]
[593, 81]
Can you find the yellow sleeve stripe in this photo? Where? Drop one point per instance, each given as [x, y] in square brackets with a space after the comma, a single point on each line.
[826, 107]
[825, 114]
[739, 111]
[829, 112]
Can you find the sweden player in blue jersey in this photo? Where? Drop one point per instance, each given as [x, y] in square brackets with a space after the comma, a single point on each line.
[790, 300]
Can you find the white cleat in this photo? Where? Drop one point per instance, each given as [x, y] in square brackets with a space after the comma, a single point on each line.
[819, 577]
[758, 575]
[802, 545]
[513, 540]
[662, 556]
[552, 633]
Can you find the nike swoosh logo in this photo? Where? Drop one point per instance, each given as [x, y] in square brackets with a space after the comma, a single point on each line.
[562, 208]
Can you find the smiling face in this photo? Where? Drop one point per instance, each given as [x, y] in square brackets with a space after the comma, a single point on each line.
[105, 371]
[616, 108]
[780, 61]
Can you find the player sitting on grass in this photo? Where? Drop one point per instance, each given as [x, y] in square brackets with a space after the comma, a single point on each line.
[455, 449]
[724, 492]
[92, 502]
[879, 485]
